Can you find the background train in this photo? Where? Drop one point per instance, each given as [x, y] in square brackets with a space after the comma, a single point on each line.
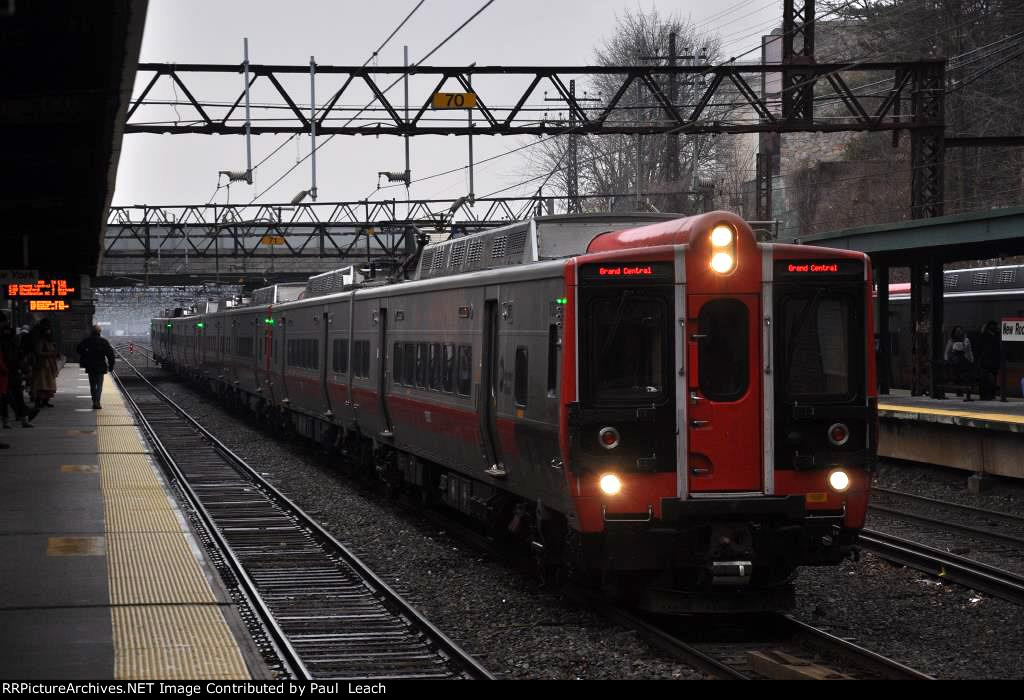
[972, 297]
[677, 410]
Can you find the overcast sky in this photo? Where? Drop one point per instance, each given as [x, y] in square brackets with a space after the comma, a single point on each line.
[163, 169]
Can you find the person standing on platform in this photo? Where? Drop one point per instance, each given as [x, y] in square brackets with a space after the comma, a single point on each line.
[988, 360]
[96, 357]
[3, 395]
[959, 357]
[44, 365]
[14, 396]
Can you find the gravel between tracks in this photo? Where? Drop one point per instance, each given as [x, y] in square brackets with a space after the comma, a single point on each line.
[517, 631]
[490, 609]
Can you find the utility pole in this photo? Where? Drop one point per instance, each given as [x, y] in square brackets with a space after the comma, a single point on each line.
[676, 201]
[408, 171]
[312, 125]
[572, 170]
[248, 122]
[672, 152]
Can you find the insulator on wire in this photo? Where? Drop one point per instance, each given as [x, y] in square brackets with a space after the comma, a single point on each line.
[236, 175]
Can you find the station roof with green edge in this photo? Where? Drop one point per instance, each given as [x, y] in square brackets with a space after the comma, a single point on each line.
[973, 236]
[68, 72]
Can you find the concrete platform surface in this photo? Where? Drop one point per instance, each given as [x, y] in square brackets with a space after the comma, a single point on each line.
[953, 410]
[100, 575]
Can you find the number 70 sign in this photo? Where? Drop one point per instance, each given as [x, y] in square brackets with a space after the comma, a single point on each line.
[454, 100]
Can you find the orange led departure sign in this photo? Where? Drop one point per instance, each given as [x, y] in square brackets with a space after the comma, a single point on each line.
[43, 295]
[48, 305]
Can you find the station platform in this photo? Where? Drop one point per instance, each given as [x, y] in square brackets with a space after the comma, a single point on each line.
[985, 437]
[100, 573]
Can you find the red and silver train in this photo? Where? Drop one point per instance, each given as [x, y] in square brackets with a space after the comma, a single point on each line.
[677, 409]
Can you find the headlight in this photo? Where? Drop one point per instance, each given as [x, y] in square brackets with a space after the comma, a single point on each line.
[838, 480]
[722, 262]
[721, 236]
[610, 484]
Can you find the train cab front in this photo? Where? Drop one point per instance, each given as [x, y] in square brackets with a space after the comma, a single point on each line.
[723, 433]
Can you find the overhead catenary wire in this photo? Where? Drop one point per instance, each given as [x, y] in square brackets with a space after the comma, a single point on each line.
[384, 91]
[371, 57]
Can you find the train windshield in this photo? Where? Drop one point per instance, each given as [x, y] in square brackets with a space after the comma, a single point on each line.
[816, 346]
[628, 347]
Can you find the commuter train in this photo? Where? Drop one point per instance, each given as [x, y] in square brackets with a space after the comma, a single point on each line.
[972, 296]
[675, 409]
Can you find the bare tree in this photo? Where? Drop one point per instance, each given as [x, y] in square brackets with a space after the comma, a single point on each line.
[669, 166]
[983, 44]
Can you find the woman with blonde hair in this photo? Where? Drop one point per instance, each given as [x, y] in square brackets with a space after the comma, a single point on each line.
[44, 365]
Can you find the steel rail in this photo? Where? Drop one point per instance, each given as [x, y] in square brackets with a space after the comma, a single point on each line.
[282, 647]
[669, 643]
[883, 666]
[947, 504]
[471, 667]
[945, 524]
[950, 567]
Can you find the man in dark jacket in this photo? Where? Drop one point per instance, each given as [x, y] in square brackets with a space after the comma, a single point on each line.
[989, 356]
[96, 357]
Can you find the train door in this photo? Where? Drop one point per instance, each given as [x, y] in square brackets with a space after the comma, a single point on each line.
[281, 360]
[264, 333]
[724, 395]
[489, 377]
[197, 346]
[325, 355]
[382, 376]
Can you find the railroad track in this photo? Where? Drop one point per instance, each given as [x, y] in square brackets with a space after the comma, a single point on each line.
[136, 348]
[325, 612]
[755, 647]
[947, 566]
[947, 531]
[943, 513]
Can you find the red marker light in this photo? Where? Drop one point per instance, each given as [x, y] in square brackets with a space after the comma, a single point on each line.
[609, 438]
[838, 434]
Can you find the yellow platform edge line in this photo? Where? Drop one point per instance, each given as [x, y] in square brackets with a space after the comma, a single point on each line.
[150, 562]
[999, 417]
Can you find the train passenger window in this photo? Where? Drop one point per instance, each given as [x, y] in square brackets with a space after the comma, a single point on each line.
[465, 378]
[339, 355]
[435, 366]
[816, 345]
[722, 358]
[396, 360]
[522, 375]
[244, 346]
[448, 368]
[304, 353]
[421, 365]
[409, 365]
[361, 358]
[628, 348]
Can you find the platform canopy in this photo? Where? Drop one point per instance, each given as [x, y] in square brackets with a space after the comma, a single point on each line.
[68, 71]
[993, 233]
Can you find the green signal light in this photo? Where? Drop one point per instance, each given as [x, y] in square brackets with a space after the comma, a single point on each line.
[168, 325]
[200, 325]
[269, 321]
[562, 300]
